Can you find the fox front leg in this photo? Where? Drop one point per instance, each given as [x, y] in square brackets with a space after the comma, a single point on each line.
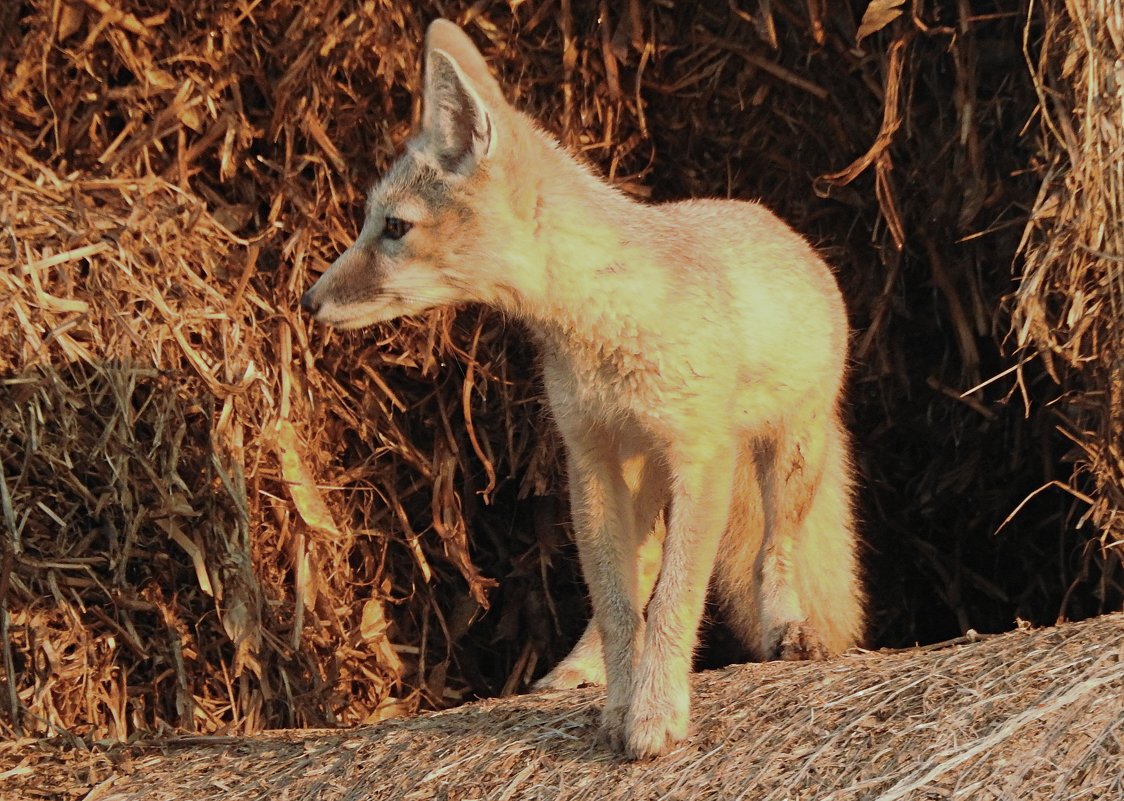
[659, 708]
[607, 548]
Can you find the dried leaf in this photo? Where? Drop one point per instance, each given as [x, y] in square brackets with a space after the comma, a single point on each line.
[198, 558]
[71, 17]
[877, 16]
[374, 627]
[373, 624]
[302, 486]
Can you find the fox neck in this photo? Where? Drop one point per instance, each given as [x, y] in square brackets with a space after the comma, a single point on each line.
[583, 239]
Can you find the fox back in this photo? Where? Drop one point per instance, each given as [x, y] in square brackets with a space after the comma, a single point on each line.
[693, 357]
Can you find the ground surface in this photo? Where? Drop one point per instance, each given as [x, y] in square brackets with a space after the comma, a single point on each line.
[1025, 715]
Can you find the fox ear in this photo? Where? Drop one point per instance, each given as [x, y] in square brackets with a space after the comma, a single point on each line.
[454, 115]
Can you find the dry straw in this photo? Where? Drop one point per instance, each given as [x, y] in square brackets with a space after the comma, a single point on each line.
[1070, 300]
[173, 556]
[218, 519]
[1025, 716]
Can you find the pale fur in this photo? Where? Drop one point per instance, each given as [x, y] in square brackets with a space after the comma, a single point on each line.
[693, 356]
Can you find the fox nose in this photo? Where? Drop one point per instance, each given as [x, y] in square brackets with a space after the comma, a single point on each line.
[309, 303]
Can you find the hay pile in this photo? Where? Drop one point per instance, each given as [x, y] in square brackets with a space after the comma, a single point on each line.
[192, 540]
[1025, 715]
[1070, 300]
[217, 519]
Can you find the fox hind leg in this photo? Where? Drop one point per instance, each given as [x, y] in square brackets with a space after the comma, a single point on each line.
[825, 560]
[810, 600]
[585, 664]
[736, 572]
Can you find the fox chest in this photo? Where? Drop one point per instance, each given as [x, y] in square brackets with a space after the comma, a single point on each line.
[614, 382]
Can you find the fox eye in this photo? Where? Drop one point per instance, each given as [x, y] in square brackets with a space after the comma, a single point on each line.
[396, 228]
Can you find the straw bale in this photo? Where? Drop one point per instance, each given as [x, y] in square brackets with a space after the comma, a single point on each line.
[181, 550]
[217, 519]
[1032, 714]
[1069, 305]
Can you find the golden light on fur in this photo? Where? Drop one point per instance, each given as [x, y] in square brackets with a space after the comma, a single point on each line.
[169, 418]
[693, 356]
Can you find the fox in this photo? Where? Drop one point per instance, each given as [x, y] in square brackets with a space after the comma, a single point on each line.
[693, 356]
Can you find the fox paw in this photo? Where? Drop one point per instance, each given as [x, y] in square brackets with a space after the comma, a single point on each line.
[650, 734]
[569, 674]
[582, 666]
[612, 727]
[799, 643]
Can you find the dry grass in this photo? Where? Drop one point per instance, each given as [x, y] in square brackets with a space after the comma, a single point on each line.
[192, 540]
[219, 520]
[1025, 715]
[1069, 307]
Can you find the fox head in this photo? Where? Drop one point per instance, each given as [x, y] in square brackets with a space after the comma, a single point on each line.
[443, 220]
